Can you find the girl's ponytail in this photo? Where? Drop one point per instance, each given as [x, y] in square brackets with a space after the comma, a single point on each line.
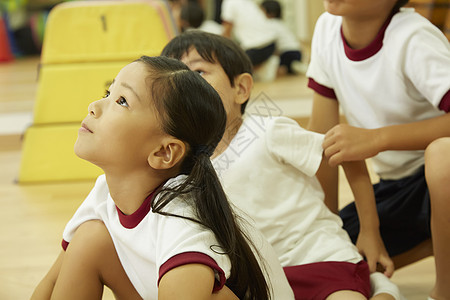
[213, 209]
[192, 111]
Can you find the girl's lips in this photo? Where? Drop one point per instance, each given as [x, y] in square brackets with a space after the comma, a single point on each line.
[85, 128]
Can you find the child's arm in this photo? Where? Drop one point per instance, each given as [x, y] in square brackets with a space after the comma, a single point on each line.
[348, 143]
[369, 240]
[191, 281]
[45, 288]
[325, 115]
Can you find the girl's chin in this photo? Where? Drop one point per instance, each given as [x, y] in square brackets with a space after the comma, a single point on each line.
[81, 152]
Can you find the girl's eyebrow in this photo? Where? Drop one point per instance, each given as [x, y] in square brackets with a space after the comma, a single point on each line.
[126, 85]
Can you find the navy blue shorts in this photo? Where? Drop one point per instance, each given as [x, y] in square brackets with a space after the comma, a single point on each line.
[260, 55]
[286, 59]
[404, 210]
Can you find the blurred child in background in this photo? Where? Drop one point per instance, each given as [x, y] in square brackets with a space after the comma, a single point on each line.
[245, 21]
[192, 16]
[287, 45]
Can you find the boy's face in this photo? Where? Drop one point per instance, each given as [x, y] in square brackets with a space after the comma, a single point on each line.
[121, 129]
[215, 75]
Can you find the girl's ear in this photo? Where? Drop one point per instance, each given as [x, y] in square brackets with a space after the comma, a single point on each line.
[170, 152]
[243, 83]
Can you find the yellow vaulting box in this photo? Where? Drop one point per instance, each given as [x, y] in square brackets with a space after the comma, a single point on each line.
[86, 43]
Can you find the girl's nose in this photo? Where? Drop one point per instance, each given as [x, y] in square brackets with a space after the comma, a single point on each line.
[95, 108]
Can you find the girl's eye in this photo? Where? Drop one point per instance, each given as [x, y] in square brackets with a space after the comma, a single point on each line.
[200, 72]
[107, 93]
[121, 101]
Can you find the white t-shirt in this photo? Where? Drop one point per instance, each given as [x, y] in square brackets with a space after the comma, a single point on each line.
[268, 171]
[403, 76]
[250, 26]
[286, 40]
[150, 244]
[211, 27]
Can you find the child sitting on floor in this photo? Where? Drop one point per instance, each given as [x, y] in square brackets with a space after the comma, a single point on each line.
[174, 234]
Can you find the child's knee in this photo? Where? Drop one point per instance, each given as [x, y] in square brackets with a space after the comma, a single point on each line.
[438, 148]
[92, 237]
[437, 160]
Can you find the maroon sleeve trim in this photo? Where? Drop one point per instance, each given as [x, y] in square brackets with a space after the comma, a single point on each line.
[321, 90]
[445, 102]
[193, 258]
[64, 244]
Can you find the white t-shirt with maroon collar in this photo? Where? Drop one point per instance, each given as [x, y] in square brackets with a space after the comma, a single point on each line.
[403, 76]
[150, 244]
[268, 172]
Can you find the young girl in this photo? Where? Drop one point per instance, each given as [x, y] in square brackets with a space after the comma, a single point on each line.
[170, 223]
[388, 69]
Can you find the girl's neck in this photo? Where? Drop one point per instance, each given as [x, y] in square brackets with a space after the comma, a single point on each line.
[359, 33]
[130, 190]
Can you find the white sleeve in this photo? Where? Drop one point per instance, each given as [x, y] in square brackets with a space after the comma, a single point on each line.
[227, 10]
[291, 144]
[316, 68]
[181, 241]
[428, 63]
[87, 209]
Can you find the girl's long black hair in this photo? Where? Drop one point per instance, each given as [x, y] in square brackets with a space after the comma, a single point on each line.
[192, 111]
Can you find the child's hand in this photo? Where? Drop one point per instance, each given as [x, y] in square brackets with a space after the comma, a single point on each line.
[371, 246]
[347, 143]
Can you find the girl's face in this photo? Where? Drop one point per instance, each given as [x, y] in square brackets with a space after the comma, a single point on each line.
[121, 129]
[358, 9]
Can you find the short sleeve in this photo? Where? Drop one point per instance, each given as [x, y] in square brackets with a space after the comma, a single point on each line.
[180, 241]
[291, 144]
[319, 80]
[431, 77]
[227, 8]
[87, 210]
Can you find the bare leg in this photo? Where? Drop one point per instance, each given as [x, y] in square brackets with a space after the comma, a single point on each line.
[437, 173]
[346, 295]
[417, 253]
[89, 263]
[45, 288]
[383, 296]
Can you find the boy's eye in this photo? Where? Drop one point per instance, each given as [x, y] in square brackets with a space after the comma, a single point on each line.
[121, 101]
[107, 93]
[200, 72]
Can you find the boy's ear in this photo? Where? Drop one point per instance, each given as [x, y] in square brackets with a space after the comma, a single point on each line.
[170, 152]
[244, 84]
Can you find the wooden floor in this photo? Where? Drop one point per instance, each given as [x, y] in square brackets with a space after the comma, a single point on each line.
[34, 215]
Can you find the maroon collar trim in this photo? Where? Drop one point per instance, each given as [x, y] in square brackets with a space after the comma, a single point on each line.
[133, 220]
[371, 49]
